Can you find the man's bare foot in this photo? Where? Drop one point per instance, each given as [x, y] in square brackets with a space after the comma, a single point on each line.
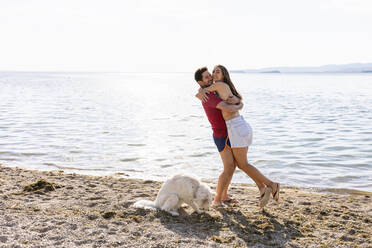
[229, 200]
[218, 205]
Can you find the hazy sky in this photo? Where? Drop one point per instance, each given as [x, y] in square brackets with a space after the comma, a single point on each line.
[181, 35]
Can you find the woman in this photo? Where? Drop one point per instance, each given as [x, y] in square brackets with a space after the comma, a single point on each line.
[240, 133]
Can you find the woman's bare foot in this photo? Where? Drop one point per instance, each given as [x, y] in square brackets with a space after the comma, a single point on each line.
[275, 190]
[264, 196]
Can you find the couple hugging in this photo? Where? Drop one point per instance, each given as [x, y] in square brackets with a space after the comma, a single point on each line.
[231, 133]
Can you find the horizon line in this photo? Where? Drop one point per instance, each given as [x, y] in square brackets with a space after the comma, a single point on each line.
[232, 70]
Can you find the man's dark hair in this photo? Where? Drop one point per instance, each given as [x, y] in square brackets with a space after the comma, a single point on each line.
[198, 74]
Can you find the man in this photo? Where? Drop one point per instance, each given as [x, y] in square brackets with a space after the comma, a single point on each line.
[213, 105]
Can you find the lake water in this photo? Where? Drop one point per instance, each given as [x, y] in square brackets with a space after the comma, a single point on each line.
[309, 129]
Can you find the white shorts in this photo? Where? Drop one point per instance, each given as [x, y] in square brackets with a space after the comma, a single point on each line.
[240, 132]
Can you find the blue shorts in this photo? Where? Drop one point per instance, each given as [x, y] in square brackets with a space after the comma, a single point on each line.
[222, 143]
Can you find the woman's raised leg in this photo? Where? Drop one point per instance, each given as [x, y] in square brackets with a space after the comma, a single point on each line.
[240, 155]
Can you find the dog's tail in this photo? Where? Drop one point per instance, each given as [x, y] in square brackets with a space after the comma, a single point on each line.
[145, 204]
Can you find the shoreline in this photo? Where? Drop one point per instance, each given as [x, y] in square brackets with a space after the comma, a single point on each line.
[93, 211]
[124, 174]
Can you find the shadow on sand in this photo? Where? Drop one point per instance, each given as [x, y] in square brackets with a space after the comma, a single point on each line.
[231, 226]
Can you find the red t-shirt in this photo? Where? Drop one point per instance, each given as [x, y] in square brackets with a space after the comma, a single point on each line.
[215, 115]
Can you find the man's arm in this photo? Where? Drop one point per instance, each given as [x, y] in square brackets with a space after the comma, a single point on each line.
[233, 100]
[202, 95]
[228, 107]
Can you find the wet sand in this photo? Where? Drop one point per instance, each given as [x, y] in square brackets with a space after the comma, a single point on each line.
[56, 209]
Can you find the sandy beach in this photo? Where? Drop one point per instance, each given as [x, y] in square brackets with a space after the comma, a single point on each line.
[56, 209]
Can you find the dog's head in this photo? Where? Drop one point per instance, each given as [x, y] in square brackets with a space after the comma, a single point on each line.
[204, 197]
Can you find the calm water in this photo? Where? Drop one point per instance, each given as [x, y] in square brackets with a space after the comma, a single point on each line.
[309, 130]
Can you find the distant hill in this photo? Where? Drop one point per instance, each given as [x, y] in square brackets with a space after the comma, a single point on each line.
[347, 68]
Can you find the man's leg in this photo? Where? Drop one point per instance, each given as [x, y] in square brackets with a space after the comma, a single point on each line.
[225, 196]
[225, 177]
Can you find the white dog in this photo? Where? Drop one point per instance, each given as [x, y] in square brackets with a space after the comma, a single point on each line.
[177, 190]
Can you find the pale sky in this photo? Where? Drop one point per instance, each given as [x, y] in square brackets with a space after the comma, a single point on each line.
[181, 35]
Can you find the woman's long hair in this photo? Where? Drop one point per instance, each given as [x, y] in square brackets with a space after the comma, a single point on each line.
[227, 80]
